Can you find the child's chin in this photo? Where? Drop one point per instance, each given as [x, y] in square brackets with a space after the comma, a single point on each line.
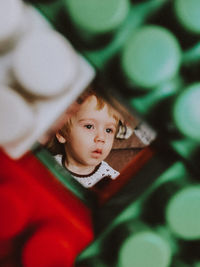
[95, 161]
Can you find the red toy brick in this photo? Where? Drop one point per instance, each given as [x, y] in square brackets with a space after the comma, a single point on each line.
[56, 226]
[50, 246]
[6, 247]
[15, 209]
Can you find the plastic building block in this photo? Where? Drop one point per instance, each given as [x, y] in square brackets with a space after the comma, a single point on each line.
[174, 239]
[40, 218]
[146, 53]
[40, 67]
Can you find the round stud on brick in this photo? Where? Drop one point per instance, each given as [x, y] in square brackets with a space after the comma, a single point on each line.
[48, 247]
[151, 56]
[97, 16]
[145, 249]
[44, 63]
[187, 13]
[186, 112]
[183, 213]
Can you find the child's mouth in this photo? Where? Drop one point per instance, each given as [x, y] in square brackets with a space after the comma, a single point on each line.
[97, 152]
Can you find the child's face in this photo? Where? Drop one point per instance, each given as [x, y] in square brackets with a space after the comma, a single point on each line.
[91, 134]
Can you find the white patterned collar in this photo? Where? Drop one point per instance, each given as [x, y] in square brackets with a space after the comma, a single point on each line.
[101, 171]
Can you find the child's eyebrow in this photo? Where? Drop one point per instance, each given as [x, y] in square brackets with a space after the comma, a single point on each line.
[111, 124]
[85, 119]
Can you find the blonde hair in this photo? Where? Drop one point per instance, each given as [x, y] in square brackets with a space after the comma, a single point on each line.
[54, 146]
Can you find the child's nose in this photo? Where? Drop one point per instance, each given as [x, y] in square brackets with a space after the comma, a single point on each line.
[100, 136]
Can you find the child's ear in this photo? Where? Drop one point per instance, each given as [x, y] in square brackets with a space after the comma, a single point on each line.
[60, 138]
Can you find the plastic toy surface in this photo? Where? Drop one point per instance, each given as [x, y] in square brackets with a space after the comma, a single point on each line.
[146, 54]
[31, 101]
[41, 221]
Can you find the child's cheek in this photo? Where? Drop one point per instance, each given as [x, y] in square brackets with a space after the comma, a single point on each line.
[110, 140]
[85, 132]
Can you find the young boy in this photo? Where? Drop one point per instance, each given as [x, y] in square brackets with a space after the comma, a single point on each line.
[86, 139]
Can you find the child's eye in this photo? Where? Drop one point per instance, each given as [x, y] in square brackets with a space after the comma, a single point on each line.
[109, 130]
[88, 126]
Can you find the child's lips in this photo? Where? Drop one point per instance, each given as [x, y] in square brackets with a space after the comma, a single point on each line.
[97, 152]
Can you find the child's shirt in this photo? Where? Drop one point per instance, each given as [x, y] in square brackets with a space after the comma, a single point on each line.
[101, 171]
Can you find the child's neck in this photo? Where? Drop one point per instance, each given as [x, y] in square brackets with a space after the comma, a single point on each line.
[79, 169]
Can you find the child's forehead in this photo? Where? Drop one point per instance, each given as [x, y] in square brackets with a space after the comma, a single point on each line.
[90, 103]
[90, 107]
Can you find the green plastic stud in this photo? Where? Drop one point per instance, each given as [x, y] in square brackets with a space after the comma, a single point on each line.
[186, 112]
[152, 55]
[97, 16]
[187, 12]
[145, 249]
[183, 213]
